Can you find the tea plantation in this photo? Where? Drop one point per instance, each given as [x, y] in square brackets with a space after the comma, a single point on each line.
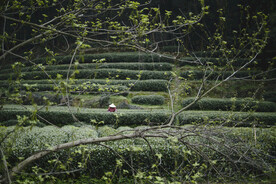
[67, 101]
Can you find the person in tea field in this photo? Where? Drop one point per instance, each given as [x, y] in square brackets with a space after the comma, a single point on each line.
[112, 108]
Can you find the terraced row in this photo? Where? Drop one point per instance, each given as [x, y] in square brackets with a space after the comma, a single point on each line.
[61, 116]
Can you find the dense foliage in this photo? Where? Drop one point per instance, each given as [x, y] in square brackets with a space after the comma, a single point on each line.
[61, 116]
[226, 104]
[149, 99]
[136, 151]
[57, 69]
[228, 118]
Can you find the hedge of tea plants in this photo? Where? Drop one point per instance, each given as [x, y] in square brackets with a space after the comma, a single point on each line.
[148, 99]
[226, 104]
[137, 152]
[92, 74]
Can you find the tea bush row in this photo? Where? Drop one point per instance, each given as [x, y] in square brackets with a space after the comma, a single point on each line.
[109, 57]
[136, 57]
[100, 159]
[220, 75]
[148, 99]
[61, 118]
[133, 85]
[227, 118]
[212, 60]
[128, 66]
[136, 118]
[97, 88]
[94, 74]
[226, 104]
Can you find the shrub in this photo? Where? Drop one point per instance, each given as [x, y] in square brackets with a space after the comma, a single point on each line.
[198, 74]
[40, 98]
[104, 100]
[14, 122]
[245, 119]
[138, 66]
[90, 88]
[122, 117]
[129, 66]
[36, 139]
[239, 88]
[150, 85]
[60, 117]
[134, 85]
[214, 60]
[148, 99]
[99, 159]
[109, 57]
[94, 74]
[226, 104]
